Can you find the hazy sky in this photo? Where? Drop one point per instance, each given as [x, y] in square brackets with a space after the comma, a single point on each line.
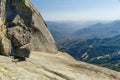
[78, 9]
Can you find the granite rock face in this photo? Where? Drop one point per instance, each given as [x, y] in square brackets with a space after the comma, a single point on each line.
[24, 29]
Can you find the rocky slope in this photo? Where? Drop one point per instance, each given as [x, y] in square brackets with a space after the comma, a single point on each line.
[45, 66]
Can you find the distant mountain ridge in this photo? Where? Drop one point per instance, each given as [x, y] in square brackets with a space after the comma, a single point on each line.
[99, 30]
[62, 30]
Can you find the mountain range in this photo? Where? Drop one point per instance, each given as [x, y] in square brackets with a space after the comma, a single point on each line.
[97, 44]
[63, 30]
[95, 51]
[83, 30]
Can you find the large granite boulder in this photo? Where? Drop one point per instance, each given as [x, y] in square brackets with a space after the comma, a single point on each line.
[20, 37]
